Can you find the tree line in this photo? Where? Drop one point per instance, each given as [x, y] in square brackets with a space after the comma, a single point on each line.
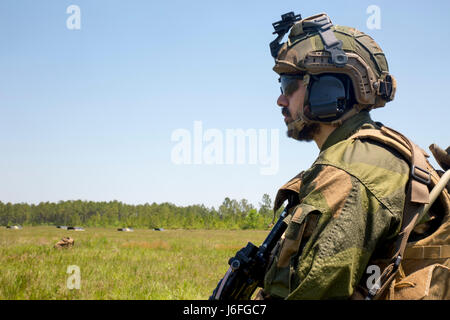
[231, 214]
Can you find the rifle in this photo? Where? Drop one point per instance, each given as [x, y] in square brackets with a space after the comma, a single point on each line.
[248, 266]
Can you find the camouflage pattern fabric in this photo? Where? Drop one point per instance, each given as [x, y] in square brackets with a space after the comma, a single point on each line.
[351, 203]
[65, 242]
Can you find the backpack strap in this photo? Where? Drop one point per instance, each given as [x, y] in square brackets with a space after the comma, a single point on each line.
[420, 176]
[428, 252]
[417, 196]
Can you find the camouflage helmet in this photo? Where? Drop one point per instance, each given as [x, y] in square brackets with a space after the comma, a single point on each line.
[316, 46]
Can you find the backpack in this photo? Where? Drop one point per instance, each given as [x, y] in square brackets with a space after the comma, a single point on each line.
[418, 265]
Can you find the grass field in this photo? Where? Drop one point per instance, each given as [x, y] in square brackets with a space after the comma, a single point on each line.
[144, 264]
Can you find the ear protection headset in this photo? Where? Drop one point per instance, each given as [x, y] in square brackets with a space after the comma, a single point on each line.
[330, 99]
[328, 96]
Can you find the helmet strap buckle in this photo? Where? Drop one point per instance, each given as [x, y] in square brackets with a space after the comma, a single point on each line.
[386, 88]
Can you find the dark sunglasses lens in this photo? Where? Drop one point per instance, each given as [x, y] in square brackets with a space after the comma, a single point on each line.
[289, 84]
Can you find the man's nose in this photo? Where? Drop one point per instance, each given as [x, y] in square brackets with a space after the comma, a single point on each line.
[282, 101]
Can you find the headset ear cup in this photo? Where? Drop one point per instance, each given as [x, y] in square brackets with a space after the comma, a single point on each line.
[327, 97]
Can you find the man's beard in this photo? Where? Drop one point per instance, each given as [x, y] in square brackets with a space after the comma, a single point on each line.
[307, 133]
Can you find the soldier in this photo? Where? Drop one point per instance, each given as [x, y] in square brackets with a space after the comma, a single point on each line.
[350, 202]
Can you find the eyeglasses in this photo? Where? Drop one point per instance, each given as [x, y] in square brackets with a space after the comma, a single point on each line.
[289, 83]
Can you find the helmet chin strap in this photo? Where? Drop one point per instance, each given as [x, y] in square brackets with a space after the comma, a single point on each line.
[297, 125]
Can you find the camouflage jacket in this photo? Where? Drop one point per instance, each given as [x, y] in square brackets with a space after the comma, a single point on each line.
[351, 204]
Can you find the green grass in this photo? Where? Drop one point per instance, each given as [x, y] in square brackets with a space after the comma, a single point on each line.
[144, 264]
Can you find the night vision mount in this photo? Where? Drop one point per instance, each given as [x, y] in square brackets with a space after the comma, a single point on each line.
[321, 24]
[281, 28]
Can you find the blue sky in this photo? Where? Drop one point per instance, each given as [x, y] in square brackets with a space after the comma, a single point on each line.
[89, 114]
